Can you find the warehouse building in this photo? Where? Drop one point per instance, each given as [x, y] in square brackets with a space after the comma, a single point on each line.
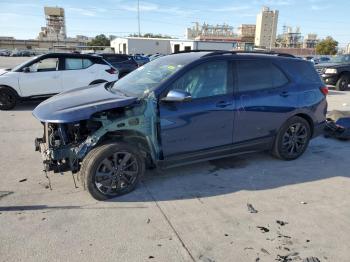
[141, 45]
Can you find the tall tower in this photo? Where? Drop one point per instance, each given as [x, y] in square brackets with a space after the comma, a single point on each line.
[55, 29]
[266, 28]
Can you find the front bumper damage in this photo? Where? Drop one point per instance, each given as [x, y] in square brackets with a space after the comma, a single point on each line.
[68, 156]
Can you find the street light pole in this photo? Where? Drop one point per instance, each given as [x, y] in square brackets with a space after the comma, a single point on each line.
[138, 16]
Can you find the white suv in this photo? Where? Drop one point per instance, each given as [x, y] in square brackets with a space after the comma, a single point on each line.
[51, 74]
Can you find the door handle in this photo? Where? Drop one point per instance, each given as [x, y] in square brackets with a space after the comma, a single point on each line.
[284, 94]
[223, 104]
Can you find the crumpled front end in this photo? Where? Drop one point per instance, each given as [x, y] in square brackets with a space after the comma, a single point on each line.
[64, 145]
[60, 144]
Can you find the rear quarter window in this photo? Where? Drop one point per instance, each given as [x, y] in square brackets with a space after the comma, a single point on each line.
[305, 71]
[253, 75]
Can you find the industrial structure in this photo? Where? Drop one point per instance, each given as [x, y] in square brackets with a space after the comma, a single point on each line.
[208, 32]
[266, 28]
[310, 41]
[140, 45]
[55, 29]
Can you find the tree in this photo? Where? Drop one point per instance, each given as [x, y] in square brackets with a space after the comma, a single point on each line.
[327, 46]
[99, 40]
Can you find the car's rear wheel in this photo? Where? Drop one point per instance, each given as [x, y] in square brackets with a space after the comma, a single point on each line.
[8, 98]
[292, 139]
[343, 83]
[112, 170]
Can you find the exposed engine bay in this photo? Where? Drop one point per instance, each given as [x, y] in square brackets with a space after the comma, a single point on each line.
[64, 145]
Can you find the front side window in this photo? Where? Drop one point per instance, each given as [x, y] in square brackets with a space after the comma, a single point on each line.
[77, 63]
[45, 65]
[253, 75]
[206, 80]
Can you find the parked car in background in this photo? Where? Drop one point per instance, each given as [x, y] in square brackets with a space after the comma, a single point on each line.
[51, 74]
[141, 60]
[321, 60]
[22, 53]
[180, 109]
[5, 53]
[123, 63]
[336, 72]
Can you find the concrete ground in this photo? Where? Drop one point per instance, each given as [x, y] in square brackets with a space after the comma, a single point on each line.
[193, 213]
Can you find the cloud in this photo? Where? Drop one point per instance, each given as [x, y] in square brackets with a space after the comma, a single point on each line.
[81, 11]
[231, 8]
[275, 2]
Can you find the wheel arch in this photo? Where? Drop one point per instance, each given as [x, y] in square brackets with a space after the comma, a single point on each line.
[98, 81]
[135, 138]
[309, 120]
[12, 89]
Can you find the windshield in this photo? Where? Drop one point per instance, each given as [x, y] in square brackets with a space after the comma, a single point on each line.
[340, 59]
[20, 65]
[148, 77]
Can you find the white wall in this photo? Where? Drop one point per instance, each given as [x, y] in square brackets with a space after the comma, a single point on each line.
[136, 45]
[201, 45]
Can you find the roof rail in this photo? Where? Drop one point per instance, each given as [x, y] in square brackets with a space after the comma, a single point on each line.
[223, 52]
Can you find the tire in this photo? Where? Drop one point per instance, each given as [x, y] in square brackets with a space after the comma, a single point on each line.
[292, 139]
[343, 83]
[102, 179]
[8, 98]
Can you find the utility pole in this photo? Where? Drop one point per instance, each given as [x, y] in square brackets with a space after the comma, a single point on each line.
[138, 16]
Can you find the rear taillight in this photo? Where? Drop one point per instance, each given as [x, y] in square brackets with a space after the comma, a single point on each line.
[324, 90]
[111, 71]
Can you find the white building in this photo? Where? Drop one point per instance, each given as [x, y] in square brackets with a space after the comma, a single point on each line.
[187, 45]
[141, 45]
[266, 28]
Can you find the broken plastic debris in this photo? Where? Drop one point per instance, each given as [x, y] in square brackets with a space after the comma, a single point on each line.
[281, 223]
[263, 229]
[251, 209]
[23, 180]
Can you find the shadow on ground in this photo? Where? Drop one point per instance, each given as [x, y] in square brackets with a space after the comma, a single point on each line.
[27, 105]
[249, 172]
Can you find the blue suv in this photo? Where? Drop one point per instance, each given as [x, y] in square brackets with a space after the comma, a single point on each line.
[180, 109]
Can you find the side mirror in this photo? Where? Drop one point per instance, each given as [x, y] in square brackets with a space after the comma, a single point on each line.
[177, 96]
[26, 70]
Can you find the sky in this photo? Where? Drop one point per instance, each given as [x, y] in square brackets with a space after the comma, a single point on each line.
[23, 19]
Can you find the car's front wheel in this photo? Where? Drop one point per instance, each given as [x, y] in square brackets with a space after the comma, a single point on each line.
[112, 170]
[8, 98]
[292, 139]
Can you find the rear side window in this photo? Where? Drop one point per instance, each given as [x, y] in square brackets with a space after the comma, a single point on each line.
[77, 63]
[306, 71]
[255, 75]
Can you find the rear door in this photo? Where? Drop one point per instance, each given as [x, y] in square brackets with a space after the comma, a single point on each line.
[78, 72]
[263, 99]
[43, 78]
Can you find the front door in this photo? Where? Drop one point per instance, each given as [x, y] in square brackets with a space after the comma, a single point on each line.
[207, 120]
[43, 78]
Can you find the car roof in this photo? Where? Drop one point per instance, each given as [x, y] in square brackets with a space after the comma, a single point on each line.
[196, 54]
[73, 55]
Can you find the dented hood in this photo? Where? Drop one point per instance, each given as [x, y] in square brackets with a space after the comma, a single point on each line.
[80, 104]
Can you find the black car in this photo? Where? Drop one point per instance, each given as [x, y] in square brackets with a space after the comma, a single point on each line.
[124, 63]
[336, 72]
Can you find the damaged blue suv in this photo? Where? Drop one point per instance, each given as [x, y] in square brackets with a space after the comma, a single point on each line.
[180, 109]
